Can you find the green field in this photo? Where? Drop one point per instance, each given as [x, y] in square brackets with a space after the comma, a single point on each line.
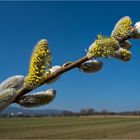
[70, 127]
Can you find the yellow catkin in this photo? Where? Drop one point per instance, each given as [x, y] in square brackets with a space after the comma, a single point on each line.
[103, 47]
[122, 28]
[40, 61]
[123, 54]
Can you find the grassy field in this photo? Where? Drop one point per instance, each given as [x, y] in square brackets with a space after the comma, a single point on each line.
[70, 127]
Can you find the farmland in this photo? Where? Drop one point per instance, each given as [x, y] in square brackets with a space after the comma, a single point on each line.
[127, 127]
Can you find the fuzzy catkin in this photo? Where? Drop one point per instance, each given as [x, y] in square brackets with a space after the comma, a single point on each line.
[15, 82]
[7, 97]
[52, 70]
[123, 54]
[102, 47]
[122, 28]
[40, 61]
[37, 99]
[126, 45]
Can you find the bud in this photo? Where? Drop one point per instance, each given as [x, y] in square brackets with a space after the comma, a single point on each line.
[135, 31]
[37, 99]
[91, 66]
[52, 70]
[66, 64]
[125, 44]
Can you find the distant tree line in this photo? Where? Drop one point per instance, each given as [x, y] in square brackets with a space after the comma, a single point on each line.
[83, 112]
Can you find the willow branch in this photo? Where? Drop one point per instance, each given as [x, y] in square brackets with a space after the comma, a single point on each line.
[62, 70]
[59, 72]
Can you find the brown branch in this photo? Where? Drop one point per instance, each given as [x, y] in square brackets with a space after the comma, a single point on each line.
[62, 70]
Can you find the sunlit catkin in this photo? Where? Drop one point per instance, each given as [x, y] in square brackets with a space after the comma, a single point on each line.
[135, 31]
[123, 54]
[102, 47]
[40, 61]
[15, 82]
[7, 97]
[122, 28]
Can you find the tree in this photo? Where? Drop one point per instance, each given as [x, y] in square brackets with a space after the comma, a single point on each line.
[91, 111]
[67, 113]
[104, 112]
[87, 112]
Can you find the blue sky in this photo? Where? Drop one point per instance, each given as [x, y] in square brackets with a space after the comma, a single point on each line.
[70, 27]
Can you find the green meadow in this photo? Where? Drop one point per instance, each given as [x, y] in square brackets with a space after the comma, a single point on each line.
[112, 127]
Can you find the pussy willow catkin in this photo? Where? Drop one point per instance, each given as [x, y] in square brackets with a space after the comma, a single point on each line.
[52, 70]
[123, 54]
[103, 47]
[122, 28]
[126, 45]
[40, 61]
[91, 66]
[37, 99]
[15, 82]
[8, 90]
[7, 97]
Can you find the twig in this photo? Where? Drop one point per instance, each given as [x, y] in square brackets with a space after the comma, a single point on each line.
[62, 70]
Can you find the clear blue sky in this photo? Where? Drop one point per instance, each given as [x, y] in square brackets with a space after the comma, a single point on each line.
[70, 27]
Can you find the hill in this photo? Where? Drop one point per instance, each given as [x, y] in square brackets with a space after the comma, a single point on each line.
[16, 110]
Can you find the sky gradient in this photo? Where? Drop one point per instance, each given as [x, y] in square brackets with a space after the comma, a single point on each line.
[70, 27]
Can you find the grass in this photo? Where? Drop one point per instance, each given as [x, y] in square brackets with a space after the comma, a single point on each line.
[70, 128]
